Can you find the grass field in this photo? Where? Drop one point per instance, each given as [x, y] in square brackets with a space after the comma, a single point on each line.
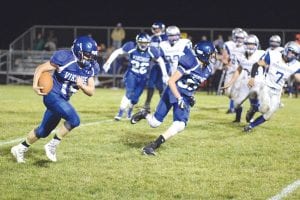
[211, 159]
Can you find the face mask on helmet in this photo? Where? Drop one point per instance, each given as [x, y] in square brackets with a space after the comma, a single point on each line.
[251, 44]
[85, 50]
[274, 41]
[291, 51]
[205, 52]
[173, 34]
[143, 41]
[158, 28]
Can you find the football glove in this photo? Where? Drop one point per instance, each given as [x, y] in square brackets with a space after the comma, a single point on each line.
[181, 103]
[192, 101]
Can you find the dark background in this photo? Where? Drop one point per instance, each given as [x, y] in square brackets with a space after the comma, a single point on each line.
[16, 17]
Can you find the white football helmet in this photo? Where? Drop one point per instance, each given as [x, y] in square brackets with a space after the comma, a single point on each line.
[291, 51]
[239, 37]
[251, 43]
[274, 41]
[173, 33]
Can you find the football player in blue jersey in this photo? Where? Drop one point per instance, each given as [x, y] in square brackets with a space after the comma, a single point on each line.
[194, 68]
[72, 70]
[155, 75]
[140, 54]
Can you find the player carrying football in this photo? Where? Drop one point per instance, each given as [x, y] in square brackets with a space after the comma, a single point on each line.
[72, 70]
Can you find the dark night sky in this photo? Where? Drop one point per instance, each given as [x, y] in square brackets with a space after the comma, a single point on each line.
[17, 17]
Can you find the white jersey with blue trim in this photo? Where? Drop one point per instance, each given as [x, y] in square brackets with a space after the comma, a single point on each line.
[279, 49]
[139, 61]
[193, 73]
[279, 71]
[247, 62]
[234, 52]
[172, 53]
[64, 77]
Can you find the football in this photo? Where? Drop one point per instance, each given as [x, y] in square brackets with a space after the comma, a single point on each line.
[46, 81]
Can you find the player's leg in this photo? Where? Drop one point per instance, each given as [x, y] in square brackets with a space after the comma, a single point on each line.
[49, 122]
[130, 84]
[180, 118]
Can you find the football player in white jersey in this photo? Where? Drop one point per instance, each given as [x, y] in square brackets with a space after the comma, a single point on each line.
[280, 66]
[275, 43]
[240, 90]
[171, 49]
[174, 47]
[232, 50]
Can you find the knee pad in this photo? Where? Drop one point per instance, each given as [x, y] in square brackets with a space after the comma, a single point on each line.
[264, 108]
[72, 123]
[178, 125]
[41, 132]
[153, 122]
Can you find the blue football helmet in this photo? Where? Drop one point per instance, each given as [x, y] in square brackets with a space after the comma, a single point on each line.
[158, 28]
[143, 41]
[85, 50]
[291, 51]
[205, 52]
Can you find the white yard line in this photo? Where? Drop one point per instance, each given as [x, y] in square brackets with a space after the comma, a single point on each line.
[286, 191]
[5, 142]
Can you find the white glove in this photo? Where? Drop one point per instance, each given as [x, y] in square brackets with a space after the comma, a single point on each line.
[181, 103]
[106, 67]
[165, 79]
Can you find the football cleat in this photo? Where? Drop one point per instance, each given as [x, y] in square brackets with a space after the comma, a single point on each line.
[117, 118]
[236, 121]
[50, 149]
[18, 152]
[139, 115]
[247, 129]
[149, 149]
[230, 111]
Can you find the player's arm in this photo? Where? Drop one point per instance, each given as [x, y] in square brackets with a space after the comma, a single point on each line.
[163, 68]
[47, 66]
[254, 69]
[89, 88]
[111, 58]
[234, 78]
[172, 83]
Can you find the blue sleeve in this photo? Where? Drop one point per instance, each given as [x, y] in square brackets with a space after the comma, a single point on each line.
[155, 51]
[128, 46]
[298, 71]
[187, 61]
[266, 58]
[60, 58]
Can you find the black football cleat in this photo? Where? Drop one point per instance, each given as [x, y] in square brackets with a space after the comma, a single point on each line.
[138, 116]
[247, 129]
[149, 150]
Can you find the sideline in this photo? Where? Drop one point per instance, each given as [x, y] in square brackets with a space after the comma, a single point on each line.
[286, 191]
[16, 140]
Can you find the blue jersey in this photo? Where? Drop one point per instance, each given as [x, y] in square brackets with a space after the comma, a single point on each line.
[64, 78]
[193, 74]
[156, 39]
[139, 61]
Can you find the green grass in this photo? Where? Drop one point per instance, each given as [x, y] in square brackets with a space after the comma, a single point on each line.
[211, 159]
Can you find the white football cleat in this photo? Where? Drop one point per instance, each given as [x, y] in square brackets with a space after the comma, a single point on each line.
[50, 149]
[18, 152]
